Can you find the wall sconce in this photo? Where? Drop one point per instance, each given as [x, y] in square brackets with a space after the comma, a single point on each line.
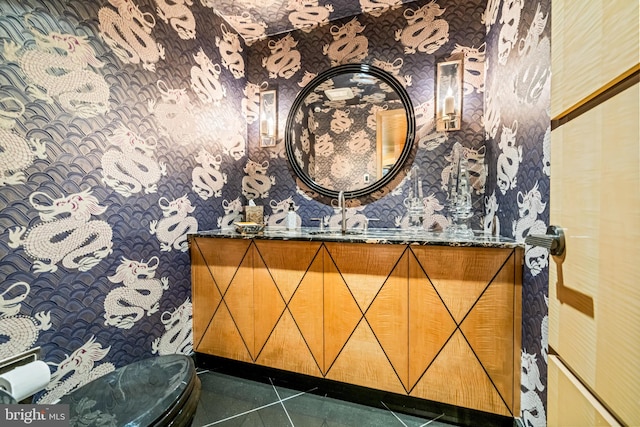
[268, 118]
[449, 95]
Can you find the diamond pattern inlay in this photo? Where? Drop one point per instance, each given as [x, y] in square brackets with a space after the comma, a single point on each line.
[341, 312]
[268, 303]
[457, 372]
[287, 262]
[430, 324]
[223, 264]
[307, 309]
[203, 284]
[388, 316]
[460, 274]
[239, 300]
[489, 314]
[286, 349]
[364, 267]
[437, 323]
[363, 362]
[222, 337]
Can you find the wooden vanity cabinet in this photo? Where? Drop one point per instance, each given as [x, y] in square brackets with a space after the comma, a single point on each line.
[441, 323]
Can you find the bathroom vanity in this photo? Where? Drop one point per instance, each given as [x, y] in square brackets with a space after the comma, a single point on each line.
[412, 313]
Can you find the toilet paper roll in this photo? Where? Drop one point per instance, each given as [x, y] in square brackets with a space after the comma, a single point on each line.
[26, 380]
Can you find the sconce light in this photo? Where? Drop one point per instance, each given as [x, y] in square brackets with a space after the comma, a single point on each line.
[268, 118]
[449, 95]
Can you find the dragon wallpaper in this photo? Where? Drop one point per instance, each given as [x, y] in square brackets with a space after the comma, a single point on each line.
[125, 125]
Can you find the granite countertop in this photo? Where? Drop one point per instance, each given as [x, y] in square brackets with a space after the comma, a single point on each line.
[372, 235]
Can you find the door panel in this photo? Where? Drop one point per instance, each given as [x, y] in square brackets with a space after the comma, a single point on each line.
[579, 408]
[594, 289]
[595, 197]
[597, 44]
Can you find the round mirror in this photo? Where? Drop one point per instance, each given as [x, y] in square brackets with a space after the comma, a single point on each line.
[350, 129]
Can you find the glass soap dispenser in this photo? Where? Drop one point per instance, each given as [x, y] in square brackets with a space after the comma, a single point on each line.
[292, 220]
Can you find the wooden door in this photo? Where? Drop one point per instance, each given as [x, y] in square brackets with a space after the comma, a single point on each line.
[594, 288]
[391, 134]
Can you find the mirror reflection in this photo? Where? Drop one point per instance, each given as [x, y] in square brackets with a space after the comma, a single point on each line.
[348, 130]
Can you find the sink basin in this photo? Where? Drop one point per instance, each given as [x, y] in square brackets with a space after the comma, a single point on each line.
[335, 233]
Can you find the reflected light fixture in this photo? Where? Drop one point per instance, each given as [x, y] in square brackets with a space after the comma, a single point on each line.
[362, 78]
[339, 94]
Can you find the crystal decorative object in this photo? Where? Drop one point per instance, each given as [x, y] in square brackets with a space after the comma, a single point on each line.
[414, 203]
[459, 196]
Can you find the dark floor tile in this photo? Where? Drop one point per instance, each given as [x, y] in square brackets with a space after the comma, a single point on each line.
[273, 416]
[313, 410]
[237, 387]
[236, 402]
[239, 402]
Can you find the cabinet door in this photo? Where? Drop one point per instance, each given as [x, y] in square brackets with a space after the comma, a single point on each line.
[222, 277]
[358, 278]
[288, 311]
[475, 342]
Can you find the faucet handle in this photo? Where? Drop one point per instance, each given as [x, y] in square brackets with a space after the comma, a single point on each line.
[366, 223]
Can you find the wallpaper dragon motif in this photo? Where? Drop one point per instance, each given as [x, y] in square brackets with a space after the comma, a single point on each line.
[127, 124]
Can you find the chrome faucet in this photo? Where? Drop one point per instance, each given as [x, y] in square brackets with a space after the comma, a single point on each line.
[342, 206]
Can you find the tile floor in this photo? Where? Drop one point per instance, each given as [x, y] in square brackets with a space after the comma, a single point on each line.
[227, 401]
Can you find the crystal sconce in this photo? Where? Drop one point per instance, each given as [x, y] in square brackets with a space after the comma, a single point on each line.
[449, 95]
[268, 118]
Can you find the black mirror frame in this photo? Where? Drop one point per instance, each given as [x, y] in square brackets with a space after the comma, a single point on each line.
[330, 73]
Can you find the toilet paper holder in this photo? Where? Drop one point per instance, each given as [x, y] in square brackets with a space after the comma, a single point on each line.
[19, 359]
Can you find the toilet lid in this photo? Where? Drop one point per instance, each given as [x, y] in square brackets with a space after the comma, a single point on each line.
[138, 394]
[6, 398]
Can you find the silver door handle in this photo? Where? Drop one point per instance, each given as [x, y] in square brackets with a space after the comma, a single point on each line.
[553, 240]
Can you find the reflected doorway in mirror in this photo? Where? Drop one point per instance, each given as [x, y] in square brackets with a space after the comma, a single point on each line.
[391, 131]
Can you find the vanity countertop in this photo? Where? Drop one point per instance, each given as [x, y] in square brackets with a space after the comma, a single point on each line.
[372, 235]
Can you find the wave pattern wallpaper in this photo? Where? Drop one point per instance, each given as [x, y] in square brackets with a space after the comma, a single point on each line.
[517, 130]
[120, 135]
[125, 125]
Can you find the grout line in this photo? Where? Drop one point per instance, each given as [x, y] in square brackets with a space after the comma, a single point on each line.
[394, 414]
[398, 418]
[253, 410]
[430, 421]
[281, 403]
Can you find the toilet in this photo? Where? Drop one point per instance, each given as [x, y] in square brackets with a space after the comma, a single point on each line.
[159, 391]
